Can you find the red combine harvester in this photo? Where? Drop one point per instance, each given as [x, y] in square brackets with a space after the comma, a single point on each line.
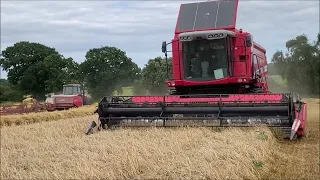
[73, 95]
[219, 79]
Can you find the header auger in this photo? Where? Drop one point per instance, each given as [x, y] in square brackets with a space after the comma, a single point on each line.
[219, 79]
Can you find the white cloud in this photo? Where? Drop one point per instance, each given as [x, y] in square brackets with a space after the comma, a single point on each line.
[73, 27]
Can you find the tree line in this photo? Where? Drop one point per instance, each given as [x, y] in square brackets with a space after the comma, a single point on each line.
[37, 69]
[299, 65]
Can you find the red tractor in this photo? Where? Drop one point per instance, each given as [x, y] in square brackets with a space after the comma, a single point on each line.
[73, 95]
[219, 79]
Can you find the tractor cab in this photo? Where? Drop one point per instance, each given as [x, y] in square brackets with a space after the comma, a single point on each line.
[72, 89]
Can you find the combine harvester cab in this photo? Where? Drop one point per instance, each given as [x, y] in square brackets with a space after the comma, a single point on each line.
[219, 79]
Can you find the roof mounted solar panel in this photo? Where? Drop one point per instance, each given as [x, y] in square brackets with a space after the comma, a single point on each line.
[207, 15]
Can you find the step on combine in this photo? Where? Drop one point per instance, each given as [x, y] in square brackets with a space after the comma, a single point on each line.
[219, 79]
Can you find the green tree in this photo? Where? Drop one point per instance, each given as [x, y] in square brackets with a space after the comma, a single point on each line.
[9, 92]
[154, 75]
[279, 62]
[56, 76]
[300, 65]
[35, 68]
[107, 69]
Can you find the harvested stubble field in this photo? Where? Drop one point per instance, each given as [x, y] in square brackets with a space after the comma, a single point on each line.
[30, 118]
[60, 150]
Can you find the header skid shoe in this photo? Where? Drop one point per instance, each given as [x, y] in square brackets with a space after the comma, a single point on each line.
[242, 110]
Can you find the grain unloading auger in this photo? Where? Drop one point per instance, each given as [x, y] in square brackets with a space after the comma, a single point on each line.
[281, 111]
[219, 79]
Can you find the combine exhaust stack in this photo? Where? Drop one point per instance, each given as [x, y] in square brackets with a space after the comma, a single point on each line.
[244, 110]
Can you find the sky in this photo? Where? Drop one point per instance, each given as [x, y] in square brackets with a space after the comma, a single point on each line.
[139, 27]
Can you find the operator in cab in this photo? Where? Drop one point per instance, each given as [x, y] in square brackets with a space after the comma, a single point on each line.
[198, 63]
[195, 71]
[218, 60]
[207, 61]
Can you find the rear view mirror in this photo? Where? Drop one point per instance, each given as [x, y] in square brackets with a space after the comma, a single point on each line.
[164, 46]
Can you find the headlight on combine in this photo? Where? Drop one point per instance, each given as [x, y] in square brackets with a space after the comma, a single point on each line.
[184, 38]
[171, 84]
